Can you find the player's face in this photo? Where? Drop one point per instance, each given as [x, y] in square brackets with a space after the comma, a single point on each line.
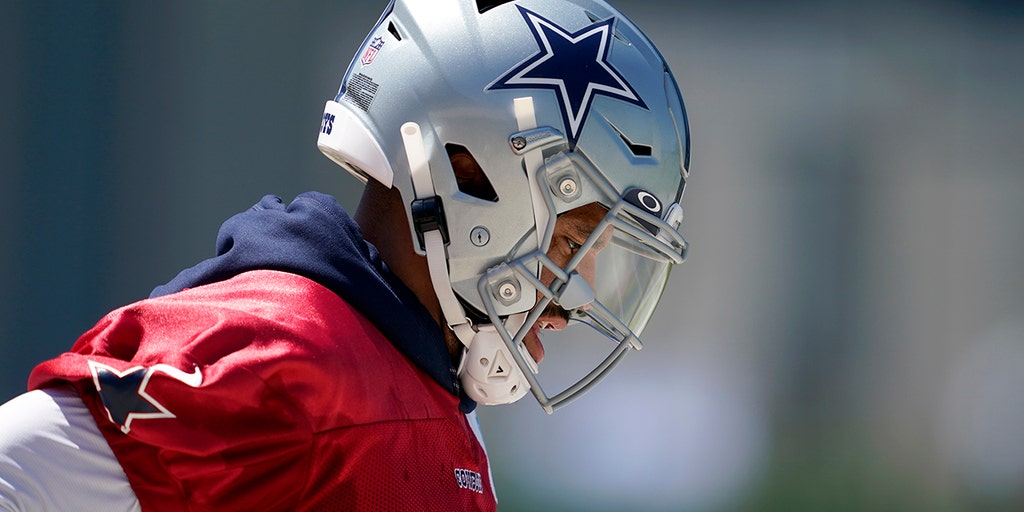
[572, 229]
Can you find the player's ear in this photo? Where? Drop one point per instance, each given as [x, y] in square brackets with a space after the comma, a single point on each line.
[469, 176]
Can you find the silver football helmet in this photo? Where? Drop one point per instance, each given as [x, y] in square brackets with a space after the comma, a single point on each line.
[562, 103]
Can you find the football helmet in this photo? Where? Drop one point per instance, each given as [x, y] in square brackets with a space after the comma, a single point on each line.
[562, 103]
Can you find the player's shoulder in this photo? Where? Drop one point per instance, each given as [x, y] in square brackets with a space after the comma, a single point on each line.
[259, 291]
[316, 347]
[279, 315]
[269, 301]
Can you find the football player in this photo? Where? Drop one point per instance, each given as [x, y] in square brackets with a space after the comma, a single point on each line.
[524, 163]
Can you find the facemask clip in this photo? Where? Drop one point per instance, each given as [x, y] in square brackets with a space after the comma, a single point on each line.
[576, 293]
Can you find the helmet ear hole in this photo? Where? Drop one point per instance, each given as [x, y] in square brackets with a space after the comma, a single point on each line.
[469, 176]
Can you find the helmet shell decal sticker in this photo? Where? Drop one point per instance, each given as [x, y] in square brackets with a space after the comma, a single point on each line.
[371, 50]
[648, 202]
[360, 90]
[573, 65]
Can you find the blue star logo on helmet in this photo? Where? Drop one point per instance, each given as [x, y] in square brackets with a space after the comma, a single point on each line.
[574, 65]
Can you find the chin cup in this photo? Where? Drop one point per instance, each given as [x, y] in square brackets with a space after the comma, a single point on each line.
[488, 371]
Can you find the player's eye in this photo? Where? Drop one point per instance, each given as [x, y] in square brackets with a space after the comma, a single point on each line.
[573, 246]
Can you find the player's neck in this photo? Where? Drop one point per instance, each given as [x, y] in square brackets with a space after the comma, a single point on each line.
[382, 220]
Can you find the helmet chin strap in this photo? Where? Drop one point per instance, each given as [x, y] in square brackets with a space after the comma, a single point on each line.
[488, 371]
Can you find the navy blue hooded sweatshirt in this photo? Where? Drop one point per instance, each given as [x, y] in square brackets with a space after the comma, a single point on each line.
[315, 238]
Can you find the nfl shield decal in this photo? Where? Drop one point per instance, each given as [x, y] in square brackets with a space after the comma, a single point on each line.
[371, 50]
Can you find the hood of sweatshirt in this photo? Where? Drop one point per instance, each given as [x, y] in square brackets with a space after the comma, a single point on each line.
[314, 237]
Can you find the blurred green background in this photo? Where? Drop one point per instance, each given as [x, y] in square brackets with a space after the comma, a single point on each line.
[847, 335]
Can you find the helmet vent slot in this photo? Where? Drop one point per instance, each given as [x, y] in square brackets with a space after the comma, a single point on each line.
[469, 176]
[394, 31]
[636, 149]
[485, 5]
[615, 31]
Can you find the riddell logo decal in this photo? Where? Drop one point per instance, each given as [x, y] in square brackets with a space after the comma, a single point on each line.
[469, 480]
[371, 51]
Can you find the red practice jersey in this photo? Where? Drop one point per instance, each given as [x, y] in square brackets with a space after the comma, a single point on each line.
[269, 392]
